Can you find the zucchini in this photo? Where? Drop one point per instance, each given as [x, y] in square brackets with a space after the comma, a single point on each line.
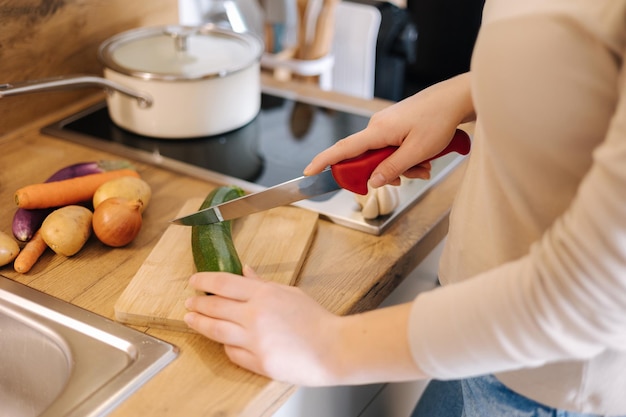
[212, 244]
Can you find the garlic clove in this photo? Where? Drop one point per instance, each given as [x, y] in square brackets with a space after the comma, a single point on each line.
[370, 209]
[362, 199]
[388, 199]
[368, 203]
[379, 201]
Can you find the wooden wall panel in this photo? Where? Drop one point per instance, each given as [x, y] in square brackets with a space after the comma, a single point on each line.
[49, 38]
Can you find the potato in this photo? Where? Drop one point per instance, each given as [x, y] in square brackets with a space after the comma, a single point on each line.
[129, 188]
[8, 249]
[66, 230]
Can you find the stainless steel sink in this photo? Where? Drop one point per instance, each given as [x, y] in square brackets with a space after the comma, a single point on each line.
[57, 359]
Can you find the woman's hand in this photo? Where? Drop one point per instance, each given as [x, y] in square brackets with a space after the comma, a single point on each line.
[280, 332]
[421, 125]
[271, 329]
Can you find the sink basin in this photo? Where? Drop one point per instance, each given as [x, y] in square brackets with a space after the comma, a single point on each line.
[57, 359]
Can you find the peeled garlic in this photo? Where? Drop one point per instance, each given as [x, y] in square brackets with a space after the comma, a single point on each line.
[378, 201]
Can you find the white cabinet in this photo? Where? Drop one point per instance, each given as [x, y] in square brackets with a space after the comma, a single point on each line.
[388, 400]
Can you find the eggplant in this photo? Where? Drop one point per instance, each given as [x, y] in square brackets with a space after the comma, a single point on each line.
[26, 222]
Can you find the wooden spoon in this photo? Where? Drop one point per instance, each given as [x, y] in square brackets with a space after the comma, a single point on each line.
[302, 28]
[324, 31]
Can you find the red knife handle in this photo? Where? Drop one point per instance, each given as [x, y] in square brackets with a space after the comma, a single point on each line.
[352, 174]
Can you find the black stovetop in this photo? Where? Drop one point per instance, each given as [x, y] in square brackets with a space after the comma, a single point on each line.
[272, 148]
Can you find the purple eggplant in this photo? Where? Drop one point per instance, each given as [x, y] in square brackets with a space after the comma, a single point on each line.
[26, 222]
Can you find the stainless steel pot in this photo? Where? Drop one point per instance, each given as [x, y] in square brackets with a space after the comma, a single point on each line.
[173, 81]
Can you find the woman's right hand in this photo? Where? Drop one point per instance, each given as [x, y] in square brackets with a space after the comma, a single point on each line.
[421, 126]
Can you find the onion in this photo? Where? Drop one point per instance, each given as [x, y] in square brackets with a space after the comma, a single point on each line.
[117, 221]
[130, 188]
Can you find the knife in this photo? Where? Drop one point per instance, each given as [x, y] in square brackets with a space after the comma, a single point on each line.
[351, 174]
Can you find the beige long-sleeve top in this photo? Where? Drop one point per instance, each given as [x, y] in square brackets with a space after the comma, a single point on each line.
[534, 268]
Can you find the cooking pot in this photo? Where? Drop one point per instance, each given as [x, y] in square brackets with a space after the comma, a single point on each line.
[172, 81]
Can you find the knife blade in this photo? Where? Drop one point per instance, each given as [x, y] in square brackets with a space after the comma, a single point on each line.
[351, 174]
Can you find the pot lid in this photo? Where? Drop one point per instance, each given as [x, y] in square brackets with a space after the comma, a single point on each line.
[180, 52]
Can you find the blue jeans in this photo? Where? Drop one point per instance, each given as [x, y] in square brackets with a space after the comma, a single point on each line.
[481, 397]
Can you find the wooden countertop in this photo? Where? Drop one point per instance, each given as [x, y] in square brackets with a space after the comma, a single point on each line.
[347, 271]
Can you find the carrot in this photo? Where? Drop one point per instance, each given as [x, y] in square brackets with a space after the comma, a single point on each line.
[66, 192]
[30, 253]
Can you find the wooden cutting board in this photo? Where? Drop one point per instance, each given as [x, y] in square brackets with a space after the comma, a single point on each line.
[273, 242]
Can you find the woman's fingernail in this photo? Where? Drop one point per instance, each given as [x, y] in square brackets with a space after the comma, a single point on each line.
[188, 303]
[377, 180]
[188, 318]
[307, 169]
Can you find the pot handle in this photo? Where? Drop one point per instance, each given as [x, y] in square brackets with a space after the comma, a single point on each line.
[67, 82]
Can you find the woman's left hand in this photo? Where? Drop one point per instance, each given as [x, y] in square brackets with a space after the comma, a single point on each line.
[271, 329]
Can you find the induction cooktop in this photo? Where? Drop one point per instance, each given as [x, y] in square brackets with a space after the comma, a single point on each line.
[274, 147]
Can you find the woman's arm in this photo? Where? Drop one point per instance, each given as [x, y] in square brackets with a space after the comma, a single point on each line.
[422, 125]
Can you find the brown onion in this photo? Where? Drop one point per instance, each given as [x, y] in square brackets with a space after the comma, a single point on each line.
[117, 221]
